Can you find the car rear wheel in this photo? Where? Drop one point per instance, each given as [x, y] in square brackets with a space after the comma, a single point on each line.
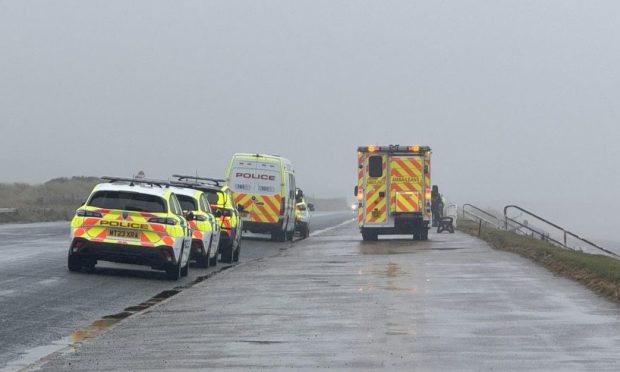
[237, 252]
[185, 269]
[213, 260]
[227, 253]
[174, 271]
[74, 263]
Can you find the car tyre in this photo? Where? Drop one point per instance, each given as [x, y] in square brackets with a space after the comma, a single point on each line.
[237, 252]
[227, 254]
[74, 263]
[174, 271]
[213, 260]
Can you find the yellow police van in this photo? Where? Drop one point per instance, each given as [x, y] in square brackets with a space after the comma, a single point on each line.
[264, 185]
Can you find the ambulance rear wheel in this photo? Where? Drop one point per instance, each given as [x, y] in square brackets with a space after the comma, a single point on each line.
[369, 236]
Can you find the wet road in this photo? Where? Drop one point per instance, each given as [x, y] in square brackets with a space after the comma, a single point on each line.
[333, 301]
[41, 302]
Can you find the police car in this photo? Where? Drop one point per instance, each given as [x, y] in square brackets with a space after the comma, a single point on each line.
[203, 222]
[132, 221]
[302, 215]
[221, 201]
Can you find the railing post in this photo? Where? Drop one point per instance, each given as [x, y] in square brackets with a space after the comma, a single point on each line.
[565, 239]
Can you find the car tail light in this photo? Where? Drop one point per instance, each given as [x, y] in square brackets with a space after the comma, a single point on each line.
[77, 245]
[163, 220]
[166, 253]
[282, 206]
[86, 213]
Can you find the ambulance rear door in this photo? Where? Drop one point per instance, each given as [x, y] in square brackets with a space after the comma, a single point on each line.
[375, 190]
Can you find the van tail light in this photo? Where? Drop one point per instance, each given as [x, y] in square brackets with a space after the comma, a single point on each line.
[428, 193]
[282, 206]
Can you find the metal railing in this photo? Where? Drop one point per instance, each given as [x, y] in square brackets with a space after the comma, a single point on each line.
[484, 216]
[543, 235]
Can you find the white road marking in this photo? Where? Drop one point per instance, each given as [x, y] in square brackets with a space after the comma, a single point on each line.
[331, 228]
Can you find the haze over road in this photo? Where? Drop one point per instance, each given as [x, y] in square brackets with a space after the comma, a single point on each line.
[518, 99]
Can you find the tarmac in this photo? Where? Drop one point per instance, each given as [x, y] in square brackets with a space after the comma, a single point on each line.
[334, 302]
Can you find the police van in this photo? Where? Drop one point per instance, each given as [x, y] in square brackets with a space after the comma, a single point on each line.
[265, 186]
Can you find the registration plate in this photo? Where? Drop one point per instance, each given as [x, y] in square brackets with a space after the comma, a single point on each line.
[118, 233]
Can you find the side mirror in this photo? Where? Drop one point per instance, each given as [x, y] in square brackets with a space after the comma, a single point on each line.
[240, 208]
[217, 213]
[355, 191]
[311, 207]
[189, 215]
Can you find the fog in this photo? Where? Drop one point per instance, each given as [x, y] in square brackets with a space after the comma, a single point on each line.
[518, 99]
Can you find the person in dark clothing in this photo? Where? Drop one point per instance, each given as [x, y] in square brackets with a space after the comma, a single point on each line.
[436, 205]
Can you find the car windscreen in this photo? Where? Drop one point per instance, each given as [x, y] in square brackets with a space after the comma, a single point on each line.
[188, 203]
[128, 201]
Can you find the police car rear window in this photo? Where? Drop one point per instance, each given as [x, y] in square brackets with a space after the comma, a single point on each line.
[187, 203]
[128, 201]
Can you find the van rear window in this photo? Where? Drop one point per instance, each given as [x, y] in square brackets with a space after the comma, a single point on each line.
[128, 201]
[375, 166]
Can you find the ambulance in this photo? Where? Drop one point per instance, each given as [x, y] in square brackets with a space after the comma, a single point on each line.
[394, 190]
[264, 185]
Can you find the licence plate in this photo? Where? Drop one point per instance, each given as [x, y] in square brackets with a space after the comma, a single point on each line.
[118, 233]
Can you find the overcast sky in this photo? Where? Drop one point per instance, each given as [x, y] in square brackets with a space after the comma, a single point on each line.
[518, 99]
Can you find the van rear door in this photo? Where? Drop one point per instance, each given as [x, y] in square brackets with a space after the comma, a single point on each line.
[406, 184]
[375, 189]
[257, 186]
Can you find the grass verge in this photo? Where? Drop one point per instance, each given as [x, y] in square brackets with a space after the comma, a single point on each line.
[599, 273]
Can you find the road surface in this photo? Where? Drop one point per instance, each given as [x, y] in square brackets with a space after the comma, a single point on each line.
[333, 301]
[41, 302]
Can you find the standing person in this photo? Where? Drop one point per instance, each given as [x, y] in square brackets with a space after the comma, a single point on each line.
[436, 206]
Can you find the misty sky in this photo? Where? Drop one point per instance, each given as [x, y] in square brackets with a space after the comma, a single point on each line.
[518, 99]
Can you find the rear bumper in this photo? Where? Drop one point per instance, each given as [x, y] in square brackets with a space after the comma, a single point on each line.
[262, 227]
[404, 223]
[155, 257]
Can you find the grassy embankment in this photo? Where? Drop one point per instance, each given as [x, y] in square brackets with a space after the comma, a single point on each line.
[599, 273]
[54, 200]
